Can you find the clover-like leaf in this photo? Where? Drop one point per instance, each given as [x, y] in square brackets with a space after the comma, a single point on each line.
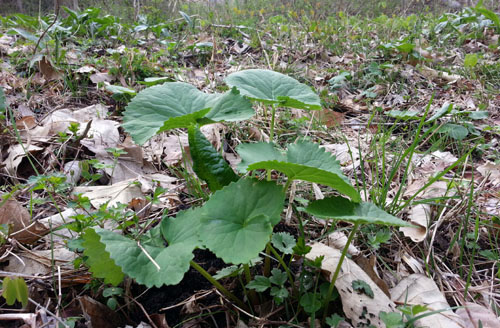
[163, 107]
[339, 208]
[209, 164]
[284, 242]
[15, 290]
[231, 107]
[153, 265]
[259, 283]
[304, 161]
[238, 219]
[274, 88]
[100, 263]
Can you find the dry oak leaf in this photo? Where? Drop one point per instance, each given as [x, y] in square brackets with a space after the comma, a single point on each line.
[418, 289]
[19, 220]
[361, 309]
[473, 313]
[420, 216]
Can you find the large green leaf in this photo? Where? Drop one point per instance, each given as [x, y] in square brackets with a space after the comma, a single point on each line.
[238, 220]
[274, 88]
[251, 153]
[231, 107]
[163, 107]
[303, 161]
[101, 265]
[173, 260]
[208, 164]
[339, 208]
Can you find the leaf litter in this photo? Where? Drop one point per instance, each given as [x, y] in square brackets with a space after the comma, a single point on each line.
[137, 173]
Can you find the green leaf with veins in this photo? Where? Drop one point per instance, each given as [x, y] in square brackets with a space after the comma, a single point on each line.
[100, 263]
[274, 88]
[339, 208]
[238, 219]
[310, 302]
[231, 107]
[208, 164]
[259, 284]
[140, 262]
[284, 242]
[252, 153]
[302, 161]
[163, 107]
[278, 277]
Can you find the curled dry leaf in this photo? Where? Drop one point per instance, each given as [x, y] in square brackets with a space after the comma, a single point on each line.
[420, 216]
[358, 307]
[473, 313]
[16, 154]
[48, 70]
[491, 171]
[40, 262]
[19, 220]
[122, 192]
[98, 314]
[418, 289]
[435, 75]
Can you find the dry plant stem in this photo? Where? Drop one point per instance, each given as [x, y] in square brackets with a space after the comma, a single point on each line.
[337, 271]
[56, 12]
[217, 285]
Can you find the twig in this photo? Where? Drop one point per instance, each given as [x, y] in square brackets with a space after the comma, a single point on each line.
[56, 12]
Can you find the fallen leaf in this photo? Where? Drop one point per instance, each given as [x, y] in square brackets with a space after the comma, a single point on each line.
[48, 70]
[361, 309]
[418, 289]
[19, 220]
[473, 313]
[435, 75]
[101, 77]
[16, 155]
[122, 192]
[98, 314]
[40, 262]
[490, 170]
[420, 216]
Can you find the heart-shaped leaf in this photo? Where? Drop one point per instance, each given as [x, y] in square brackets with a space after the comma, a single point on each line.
[339, 208]
[173, 261]
[274, 88]
[163, 107]
[100, 263]
[303, 161]
[251, 153]
[231, 107]
[208, 164]
[238, 220]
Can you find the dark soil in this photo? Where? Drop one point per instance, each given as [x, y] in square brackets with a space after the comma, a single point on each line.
[157, 298]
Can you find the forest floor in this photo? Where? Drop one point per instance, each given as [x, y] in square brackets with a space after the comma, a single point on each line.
[410, 108]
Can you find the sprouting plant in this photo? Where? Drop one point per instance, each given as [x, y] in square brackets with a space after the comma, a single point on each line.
[237, 220]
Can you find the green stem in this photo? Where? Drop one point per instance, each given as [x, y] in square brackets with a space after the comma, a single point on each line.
[217, 285]
[251, 293]
[287, 270]
[271, 134]
[267, 262]
[271, 128]
[287, 184]
[337, 271]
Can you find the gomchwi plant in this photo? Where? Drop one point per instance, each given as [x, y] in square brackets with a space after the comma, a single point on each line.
[236, 222]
